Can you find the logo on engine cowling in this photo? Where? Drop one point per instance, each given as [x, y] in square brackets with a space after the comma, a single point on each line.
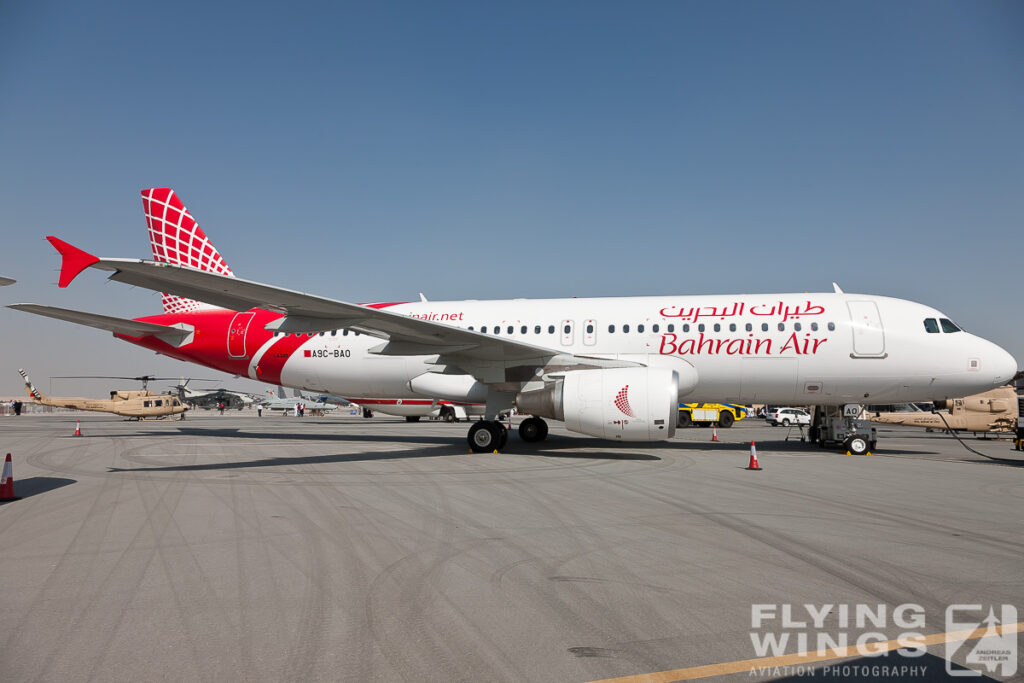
[622, 402]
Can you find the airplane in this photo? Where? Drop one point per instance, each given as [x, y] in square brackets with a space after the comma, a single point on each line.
[137, 404]
[990, 411]
[282, 402]
[412, 409]
[614, 368]
[4, 281]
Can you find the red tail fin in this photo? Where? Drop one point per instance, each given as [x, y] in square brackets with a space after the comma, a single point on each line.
[177, 238]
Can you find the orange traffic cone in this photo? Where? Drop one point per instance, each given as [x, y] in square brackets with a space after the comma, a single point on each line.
[78, 427]
[7, 481]
[714, 431]
[753, 458]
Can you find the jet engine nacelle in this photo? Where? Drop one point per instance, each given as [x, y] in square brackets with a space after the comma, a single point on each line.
[628, 404]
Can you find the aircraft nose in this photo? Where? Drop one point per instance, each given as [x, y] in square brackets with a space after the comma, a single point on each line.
[1003, 365]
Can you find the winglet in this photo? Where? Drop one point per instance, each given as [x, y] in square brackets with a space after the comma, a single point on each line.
[73, 260]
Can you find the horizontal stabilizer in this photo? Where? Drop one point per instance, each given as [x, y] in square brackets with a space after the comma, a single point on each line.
[131, 328]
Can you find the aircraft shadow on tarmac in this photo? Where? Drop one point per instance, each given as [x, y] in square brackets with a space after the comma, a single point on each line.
[33, 486]
[437, 446]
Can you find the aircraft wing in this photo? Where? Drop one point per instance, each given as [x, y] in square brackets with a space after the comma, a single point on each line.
[402, 334]
[131, 328]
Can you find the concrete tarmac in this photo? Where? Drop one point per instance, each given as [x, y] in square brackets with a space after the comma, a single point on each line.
[241, 548]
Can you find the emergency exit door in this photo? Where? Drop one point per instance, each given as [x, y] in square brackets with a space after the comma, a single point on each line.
[868, 335]
[236, 334]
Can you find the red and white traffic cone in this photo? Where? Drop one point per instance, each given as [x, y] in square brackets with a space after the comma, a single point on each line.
[753, 458]
[78, 427]
[7, 481]
[714, 431]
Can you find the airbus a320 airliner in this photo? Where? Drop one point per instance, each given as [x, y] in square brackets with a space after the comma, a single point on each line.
[613, 368]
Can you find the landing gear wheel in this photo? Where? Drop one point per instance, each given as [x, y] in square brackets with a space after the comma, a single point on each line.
[484, 436]
[503, 438]
[448, 414]
[725, 420]
[684, 420]
[533, 429]
[412, 418]
[856, 445]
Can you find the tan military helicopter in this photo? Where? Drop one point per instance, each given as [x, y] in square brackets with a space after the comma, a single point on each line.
[992, 411]
[135, 404]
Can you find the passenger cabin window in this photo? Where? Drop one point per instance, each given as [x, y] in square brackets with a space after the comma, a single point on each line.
[797, 327]
[700, 328]
[483, 330]
[814, 327]
[640, 328]
[522, 330]
[764, 327]
[831, 327]
[686, 327]
[655, 328]
[334, 333]
[147, 404]
[625, 328]
[159, 403]
[611, 328]
[567, 329]
[671, 327]
[750, 328]
[948, 326]
[551, 329]
[732, 327]
[931, 326]
[718, 328]
[782, 327]
[509, 330]
[590, 329]
[536, 329]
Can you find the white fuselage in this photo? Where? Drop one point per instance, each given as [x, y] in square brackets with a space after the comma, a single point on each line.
[763, 348]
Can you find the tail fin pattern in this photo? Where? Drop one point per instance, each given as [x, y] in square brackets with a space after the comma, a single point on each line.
[30, 388]
[176, 238]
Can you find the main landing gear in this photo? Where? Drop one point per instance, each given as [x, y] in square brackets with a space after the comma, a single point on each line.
[486, 436]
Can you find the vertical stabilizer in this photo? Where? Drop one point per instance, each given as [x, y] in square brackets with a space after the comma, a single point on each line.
[176, 238]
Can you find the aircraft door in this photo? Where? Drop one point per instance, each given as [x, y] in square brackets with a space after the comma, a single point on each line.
[568, 333]
[589, 332]
[868, 335]
[236, 334]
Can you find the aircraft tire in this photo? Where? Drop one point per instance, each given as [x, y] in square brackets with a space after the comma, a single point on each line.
[857, 445]
[533, 429]
[484, 436]
[448, 414]
[412, 418]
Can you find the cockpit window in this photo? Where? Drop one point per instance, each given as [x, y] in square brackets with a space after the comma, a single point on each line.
[931, 326]
[948, 326]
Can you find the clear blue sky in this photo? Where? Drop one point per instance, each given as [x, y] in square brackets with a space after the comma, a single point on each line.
[488, 150]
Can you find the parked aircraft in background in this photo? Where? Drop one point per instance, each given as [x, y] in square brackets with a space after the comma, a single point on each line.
[412, 409]
[212, 399]
[284, 403]
[991, 411]
[613, 368]
[4, 281]
[138, 405]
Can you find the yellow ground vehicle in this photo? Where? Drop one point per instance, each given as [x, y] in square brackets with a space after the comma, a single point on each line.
[703, 414]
